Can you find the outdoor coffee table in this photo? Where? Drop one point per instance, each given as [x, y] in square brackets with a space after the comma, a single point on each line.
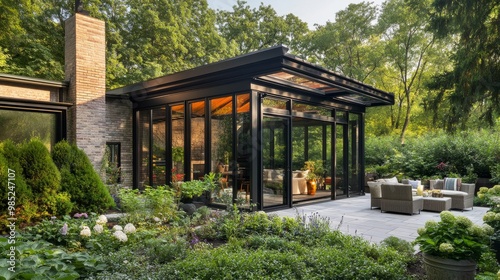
[437, 204]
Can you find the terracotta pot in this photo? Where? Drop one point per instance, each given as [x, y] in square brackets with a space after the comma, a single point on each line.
[444, 269]
[311, 187]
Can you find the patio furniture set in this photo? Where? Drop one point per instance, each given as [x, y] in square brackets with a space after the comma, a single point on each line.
[391, 196]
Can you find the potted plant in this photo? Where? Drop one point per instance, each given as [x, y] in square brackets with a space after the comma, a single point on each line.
[452, 247]
[311, 176]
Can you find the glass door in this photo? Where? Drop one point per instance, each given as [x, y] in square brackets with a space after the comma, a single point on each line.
[276, 162]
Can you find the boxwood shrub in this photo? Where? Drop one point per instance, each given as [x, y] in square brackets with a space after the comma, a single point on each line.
[80, 180]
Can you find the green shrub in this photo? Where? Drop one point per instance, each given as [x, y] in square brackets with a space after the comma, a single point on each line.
[42, 260]
[9, 159]
[80, 180]
[41, 175]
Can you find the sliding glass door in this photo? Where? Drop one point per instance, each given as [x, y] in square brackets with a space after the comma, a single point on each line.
[276, 163]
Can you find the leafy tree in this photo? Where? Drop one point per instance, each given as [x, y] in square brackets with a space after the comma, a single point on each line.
[350, 45]
[408, 49]
[256, 29]
[472, 84]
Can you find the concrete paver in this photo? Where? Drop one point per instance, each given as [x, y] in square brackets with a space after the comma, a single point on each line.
[356, 218]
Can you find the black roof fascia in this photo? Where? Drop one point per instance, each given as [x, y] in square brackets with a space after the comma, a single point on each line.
[207, 73]
[13, 103]
[250, 66]
[32, 81]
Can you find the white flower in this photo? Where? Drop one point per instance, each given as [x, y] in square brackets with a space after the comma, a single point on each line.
[129, 228]
[98, 228]
[85, 232]
[156, 219]
[117, 228]
[120, 235]
[102, 220]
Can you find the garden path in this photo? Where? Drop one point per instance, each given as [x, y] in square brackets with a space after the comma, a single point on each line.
[353, 216]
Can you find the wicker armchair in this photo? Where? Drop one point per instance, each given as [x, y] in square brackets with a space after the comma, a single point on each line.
[399, 198]
[375, 194]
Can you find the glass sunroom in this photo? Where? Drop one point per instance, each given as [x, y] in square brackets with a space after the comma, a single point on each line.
[257, 120]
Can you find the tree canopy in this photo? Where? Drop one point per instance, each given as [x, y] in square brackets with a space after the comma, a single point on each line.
[440, 58]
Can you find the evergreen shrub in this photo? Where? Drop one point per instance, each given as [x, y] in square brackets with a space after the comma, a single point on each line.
[80, 180]
[41, 175]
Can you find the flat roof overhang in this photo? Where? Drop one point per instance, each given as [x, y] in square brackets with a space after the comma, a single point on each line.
[272, 67]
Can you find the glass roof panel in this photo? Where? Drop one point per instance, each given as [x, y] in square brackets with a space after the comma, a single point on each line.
[301, 81]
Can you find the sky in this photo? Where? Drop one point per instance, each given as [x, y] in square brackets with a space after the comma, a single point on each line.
[310, 11]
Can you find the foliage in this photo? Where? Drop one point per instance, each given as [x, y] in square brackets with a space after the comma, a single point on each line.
[349, 45]
[256, 29]
[42, 260]
[468, 154]
[193, 188]
[401, 246]
[79, 179]
[153, 204]
[489, 197]
[471, 85]
[41, 175]
[453, 238]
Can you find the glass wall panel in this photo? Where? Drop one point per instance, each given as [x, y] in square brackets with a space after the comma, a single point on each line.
[221, 145]
[159, 145]
[244, 146]
[340, 182]
[274, 153]
[353, 154]
[276, 104]
[315, 141]
[178, 119]
[327, 168]
[197, 140]
[298, 145]
[23, 125]
[312, 110]
[144, 142]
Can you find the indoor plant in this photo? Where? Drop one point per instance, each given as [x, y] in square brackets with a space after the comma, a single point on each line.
[452, 247]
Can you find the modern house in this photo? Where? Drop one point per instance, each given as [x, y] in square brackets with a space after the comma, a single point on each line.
[255, 119]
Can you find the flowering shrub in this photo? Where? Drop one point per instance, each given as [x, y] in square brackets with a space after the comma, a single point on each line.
[454, 237]
[120, 235]
[489, 196]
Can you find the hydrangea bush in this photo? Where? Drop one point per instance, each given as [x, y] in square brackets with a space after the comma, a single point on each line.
[454, 237]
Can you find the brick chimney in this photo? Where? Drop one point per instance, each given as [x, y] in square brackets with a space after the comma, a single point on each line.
[85, 69]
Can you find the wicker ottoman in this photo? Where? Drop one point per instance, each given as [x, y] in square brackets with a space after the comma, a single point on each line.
[437, 204]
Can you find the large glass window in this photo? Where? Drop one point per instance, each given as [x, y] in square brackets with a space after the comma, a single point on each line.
[244, 145]
[197, 140]
[159, 154]
[340, 182]
[354, 154]
[178, 141]
[144, 147]
[221, 146]
[23, 125]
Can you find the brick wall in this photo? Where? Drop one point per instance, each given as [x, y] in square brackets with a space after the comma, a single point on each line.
[85, 69]
[119, 129]
[28, 92]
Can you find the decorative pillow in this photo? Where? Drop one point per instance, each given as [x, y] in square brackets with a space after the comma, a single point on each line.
[296, 174]
[414, 183]
[392, 180]
[303, 174]
[451, 184]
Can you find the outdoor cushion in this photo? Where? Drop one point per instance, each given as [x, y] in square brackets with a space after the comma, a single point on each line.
[455, 193]
[414, 183]
[392, 180]
[451, 184]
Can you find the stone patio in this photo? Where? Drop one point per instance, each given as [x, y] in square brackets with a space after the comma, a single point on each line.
[355, 218]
